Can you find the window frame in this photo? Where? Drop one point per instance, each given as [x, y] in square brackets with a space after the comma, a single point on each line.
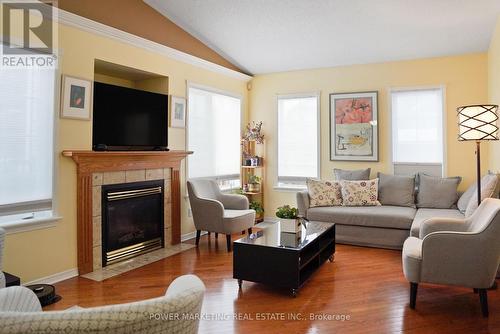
[16, 224]
[190, 84]
[442, 88]
[298, 186]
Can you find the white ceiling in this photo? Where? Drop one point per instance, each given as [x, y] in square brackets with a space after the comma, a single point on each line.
[263, 36]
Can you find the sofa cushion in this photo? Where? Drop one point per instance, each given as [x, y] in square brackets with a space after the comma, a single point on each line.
[324, 193]
[437, 192]
[352, 175]
[489, 184]
[396, 190]
[464, 199]
[360, 193]
[384, 216]
[424, 214]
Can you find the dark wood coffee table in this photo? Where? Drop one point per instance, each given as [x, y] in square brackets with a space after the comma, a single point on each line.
[283, 259]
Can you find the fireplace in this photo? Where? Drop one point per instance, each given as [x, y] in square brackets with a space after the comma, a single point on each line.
[132, 219]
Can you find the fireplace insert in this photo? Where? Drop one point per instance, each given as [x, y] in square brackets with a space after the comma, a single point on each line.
[132, 220]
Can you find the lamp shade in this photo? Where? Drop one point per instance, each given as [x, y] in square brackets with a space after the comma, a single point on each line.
[478, 122]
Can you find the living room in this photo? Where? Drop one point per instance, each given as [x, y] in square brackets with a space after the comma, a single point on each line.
[262, 105]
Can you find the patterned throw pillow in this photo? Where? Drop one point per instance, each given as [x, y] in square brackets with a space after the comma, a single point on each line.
[323, 193]
[360, 193]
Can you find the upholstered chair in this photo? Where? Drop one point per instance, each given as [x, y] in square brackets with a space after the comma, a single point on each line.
[216, 212]
[176, 312]
[462, 252]
[2, 276]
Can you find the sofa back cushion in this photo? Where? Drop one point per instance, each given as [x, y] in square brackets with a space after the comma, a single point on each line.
[323, 193]
[351, 175]
[396, 190]
[437, 192]
[489, 185]
[360, 193]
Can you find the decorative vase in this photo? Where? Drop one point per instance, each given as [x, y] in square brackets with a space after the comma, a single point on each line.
[291, 225]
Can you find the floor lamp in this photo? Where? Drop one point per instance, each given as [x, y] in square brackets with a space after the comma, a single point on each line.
[477, 123]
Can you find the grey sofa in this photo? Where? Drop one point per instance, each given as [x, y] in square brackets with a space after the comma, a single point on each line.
[384, 226]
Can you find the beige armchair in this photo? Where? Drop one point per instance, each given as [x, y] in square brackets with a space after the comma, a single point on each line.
[462, 252]
[178, 311]
[216, 212]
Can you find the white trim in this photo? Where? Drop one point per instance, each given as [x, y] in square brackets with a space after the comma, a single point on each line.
[289, 189]
[191, 84]
[20, 226]
[100, 29]
[443, 124]
[317, 95]
[51, 279]
[191, 235]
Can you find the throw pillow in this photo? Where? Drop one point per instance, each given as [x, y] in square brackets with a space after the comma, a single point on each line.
[351, 175]
[437, 192]
[488, 186]
[359, 193]
[396, 190]
[464, 200]
[323, 193]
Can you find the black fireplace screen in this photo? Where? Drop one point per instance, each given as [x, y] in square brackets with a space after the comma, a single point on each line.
[132, 220]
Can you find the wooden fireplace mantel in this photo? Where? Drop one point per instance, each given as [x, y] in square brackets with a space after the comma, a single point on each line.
[89, 162]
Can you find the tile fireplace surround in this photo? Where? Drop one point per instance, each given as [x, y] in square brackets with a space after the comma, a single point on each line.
[95, 169]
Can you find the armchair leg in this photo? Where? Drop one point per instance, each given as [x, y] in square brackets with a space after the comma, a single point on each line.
[483, 298]
[249, 231]
[216, 235]
[228, 241]
[198, 234]
[413, 295]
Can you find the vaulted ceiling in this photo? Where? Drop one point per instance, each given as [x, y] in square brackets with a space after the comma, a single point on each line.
[262, 36]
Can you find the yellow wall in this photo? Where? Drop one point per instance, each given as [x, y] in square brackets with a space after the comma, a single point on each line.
[494, 89]
[40, 253]
[464, 77]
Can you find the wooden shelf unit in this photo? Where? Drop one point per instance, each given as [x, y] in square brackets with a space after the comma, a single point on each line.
[253, 149]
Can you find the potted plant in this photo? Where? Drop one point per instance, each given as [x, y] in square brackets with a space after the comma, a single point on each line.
[290, 221]
[259, 210]
[254, 183]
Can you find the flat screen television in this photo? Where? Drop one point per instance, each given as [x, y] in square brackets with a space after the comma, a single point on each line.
[129, 119]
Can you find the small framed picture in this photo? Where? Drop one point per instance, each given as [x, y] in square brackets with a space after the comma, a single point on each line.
[178, 112]
[76, 98]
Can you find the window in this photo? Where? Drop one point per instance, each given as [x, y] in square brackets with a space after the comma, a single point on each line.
[26, 143]
[417, 131]
[298, 139]
[214, 130]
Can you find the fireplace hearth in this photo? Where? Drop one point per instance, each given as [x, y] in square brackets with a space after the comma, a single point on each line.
[132, 220]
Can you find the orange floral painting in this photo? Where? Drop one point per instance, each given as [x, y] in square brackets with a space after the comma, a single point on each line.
[355, 110]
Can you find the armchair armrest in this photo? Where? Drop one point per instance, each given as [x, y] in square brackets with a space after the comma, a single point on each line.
[302, 202]
[19, 299]
[207, 213]
[442, 224]
[185, 283]
[234, 202]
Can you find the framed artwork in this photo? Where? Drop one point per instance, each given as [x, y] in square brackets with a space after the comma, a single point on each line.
[354, 126]
[178, 112]
[76, 98]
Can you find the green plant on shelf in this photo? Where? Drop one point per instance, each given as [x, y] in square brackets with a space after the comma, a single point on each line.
[287, 212]
[257, 206]
[254, 179]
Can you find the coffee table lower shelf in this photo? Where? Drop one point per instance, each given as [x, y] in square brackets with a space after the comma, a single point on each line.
[282, 267]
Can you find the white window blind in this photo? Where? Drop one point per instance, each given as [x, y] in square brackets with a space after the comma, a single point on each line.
[417, 131]
[214, 130]
[26, 140]
[298, 144]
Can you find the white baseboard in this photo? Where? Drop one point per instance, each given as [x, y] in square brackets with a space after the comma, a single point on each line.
[191, 235]
[64, 275]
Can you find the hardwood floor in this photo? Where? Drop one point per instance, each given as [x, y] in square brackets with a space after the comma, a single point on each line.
[366, 284]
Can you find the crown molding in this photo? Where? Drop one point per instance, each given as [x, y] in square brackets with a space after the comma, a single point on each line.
[80, 22]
